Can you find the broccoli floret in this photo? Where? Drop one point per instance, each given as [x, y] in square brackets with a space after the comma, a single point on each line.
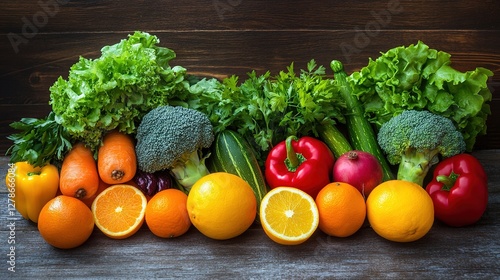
[172, 137]
[415, 139]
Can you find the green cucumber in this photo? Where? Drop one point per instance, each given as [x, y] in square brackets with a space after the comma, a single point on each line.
[231, 153]
[361, 133]
[334, 139]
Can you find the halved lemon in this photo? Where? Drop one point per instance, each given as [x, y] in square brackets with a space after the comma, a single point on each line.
[288, 215]
[119, 211]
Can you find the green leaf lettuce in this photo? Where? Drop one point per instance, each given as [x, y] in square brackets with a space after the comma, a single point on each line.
[417, 77]
[115, 90]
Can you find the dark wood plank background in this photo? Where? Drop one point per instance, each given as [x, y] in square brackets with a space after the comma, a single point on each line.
[224, 37]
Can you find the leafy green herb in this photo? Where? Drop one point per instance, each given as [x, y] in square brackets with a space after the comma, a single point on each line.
[417, 77]
[40, 141]
[117, 89]
[267, 109]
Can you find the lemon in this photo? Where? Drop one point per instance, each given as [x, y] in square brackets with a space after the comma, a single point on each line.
[289, 216]
[400, 211]
[221, 205]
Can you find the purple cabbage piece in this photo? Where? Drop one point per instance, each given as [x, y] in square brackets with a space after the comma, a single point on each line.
[147, 182]
[164, 180]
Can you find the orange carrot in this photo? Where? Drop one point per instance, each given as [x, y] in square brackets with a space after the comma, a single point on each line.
[79, 177]
[116, 159]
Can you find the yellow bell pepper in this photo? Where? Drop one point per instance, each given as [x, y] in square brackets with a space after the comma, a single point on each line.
[31, 187]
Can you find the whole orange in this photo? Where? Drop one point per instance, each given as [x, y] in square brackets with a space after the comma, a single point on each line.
[65, 222]
[400, 211]
[166, 213]
[342, 209]
[221, 205]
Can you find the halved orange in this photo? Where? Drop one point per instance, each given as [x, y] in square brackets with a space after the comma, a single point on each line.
[288, 215]
[119, 211]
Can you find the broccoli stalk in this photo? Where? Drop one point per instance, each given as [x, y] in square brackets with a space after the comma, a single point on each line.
[415, 164]
[415, 140]
[188, 171]
[172, 138]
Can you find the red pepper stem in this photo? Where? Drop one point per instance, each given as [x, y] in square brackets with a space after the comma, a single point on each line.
[293, 160]
[448, 181]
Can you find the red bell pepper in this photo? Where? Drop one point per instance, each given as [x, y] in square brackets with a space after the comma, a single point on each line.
[459, 190]
[305, 163]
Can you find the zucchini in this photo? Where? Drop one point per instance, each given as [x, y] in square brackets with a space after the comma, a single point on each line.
[231, 153]
[361, 133]
[334, 139]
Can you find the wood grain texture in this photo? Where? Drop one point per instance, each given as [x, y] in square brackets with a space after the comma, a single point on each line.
[225, 37]
[444, 253]
[96, 16]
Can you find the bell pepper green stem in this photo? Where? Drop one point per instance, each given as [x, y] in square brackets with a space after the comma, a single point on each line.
[448, 181]
[293, 160]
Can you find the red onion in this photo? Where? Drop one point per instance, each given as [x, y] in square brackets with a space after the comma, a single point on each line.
[359, 169]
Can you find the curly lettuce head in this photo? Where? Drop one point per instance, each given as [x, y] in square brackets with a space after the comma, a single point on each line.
[115, 90]
[417, 78]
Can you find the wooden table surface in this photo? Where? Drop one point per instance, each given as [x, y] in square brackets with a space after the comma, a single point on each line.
[444, 253]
